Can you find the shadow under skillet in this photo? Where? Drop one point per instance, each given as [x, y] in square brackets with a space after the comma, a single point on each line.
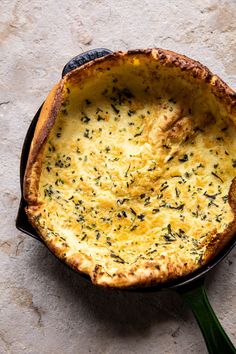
[126, 313]
[119, 317]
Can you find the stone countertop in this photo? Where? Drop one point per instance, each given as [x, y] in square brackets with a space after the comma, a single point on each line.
[44, 307]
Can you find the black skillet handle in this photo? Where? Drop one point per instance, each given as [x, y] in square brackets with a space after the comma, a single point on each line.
[215, 337]
[85, 57]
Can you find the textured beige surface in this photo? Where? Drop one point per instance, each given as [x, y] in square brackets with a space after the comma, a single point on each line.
[45, 308]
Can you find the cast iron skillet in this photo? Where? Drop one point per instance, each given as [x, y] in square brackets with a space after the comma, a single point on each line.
[190, 286]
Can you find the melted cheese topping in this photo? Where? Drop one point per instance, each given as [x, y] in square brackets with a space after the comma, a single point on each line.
[134, 174]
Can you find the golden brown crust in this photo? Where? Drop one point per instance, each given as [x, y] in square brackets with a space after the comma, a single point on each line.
[194, 68]
[45, 122]
[167, 58]
[149, 275]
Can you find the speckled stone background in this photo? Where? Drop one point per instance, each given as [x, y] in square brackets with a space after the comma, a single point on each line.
[45, 308]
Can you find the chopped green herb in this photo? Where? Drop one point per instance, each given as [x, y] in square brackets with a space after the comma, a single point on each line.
[214, 174]
[117, 259]
[85, 119]
[184, 158]
[141, 217]
[115, 109]
[177, 192]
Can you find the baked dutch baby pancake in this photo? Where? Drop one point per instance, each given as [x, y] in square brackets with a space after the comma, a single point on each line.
[130, 176]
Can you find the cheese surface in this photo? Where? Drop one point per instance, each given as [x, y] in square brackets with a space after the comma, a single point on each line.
[136, 176]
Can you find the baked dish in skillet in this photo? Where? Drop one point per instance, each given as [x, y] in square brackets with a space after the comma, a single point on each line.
[130, 176]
